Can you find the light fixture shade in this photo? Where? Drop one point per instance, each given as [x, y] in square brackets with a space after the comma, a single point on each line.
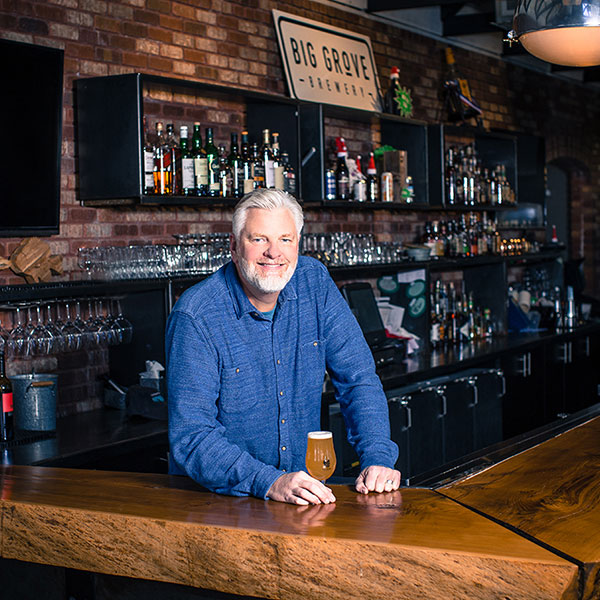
[565, 32]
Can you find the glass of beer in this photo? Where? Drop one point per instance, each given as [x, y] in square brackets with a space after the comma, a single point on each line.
[320, 455]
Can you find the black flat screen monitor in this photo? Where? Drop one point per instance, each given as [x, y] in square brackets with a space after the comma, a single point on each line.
[31, 101]
[361, 300]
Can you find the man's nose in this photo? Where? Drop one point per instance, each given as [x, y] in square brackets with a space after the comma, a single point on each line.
[272, 250]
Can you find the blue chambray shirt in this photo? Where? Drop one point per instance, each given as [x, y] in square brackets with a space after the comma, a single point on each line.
[244, 391]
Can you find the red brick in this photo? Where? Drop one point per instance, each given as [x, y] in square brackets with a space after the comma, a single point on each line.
[135, 60]
[135, 29]
[121, 42]
[146, 17]
[156, 33]
[170, 22]
[160, 64]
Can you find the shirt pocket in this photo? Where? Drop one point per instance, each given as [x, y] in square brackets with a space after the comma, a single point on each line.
[312, 355]
[238, 391]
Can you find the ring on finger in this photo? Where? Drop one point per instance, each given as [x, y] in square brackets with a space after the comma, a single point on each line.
[390, 482]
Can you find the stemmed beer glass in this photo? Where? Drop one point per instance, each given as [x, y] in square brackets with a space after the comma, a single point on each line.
[320, 455]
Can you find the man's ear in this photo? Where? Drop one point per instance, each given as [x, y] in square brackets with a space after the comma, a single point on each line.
[232, 246]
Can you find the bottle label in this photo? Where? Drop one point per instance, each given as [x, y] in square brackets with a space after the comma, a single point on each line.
[360, 190]
[435, 332]
[201, 171]
[148, 161]
[289, 184]
[249, 185]
[7, 402]
[269, 174]
[187, 173]
[279, 182]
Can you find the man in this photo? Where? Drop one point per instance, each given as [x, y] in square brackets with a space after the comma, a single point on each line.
[247, 350]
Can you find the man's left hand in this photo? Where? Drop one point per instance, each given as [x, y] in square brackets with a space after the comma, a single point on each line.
[377, 479]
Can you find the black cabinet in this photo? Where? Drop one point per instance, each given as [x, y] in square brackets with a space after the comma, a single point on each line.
[524, 403]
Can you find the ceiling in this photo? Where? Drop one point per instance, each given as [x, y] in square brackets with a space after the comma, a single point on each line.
[477, 25]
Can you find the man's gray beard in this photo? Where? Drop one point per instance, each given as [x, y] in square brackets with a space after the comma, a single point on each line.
[269, 284]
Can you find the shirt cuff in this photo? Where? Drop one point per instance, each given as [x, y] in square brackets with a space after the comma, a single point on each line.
[265, 478]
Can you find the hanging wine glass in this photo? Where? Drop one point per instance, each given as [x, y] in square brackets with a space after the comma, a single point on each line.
[103, 329]
[71, 333]
[58, 343]
[4, 339]
[17, 334]
[38, 338]
[124, 325]
[87, 339]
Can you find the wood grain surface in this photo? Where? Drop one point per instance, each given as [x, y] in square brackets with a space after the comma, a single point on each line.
[409, 544]
[550, 492]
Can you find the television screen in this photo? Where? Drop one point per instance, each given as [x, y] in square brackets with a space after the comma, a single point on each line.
[31, 100]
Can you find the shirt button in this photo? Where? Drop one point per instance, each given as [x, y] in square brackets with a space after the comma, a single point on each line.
[283, 448]
[281, 393]
[283, 420]
[278, 362]
[284, 470]
[237, 370]
[315, 344]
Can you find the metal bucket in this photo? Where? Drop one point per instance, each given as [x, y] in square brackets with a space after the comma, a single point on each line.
[35, 401]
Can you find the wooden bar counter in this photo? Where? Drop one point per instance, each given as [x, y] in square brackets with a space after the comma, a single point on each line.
[550, 492]
[414, 543]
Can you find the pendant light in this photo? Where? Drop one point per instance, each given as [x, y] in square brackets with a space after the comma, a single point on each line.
[564, 32]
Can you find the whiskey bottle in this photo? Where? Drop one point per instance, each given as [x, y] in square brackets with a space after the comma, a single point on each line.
[258, 167]
[224, 172]
[197, 157]
[234, 161]
[247, 165]
[186, 168]
[359, 190]
[372, 183]
[212, 164]
[266, 155]
[148, 160]
[342, 176]
[389, 101]
[289, 175]
[173, 161]
[6, 404]
[278, 179]
[162, 173]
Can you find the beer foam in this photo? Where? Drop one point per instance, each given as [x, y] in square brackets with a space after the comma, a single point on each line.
[320, 435]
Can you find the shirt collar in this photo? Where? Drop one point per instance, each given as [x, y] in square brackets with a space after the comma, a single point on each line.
[241, 304]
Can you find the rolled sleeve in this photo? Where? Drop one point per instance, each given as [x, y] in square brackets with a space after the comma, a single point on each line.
[198, 441]
[358, 388]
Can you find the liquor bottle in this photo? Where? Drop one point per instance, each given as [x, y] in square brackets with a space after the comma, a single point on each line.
[188, 184]
[199, 159]
[247, 165]
[258, 167]
[289, 175]
[148, 161]
[212, 163]
[434, 335]
[278, 176]
[234, 161]
[173, 162]
[267, 158]
[6, 396]
[162, 173]
[389, 101]
[342, 176]
[458, 99]
[359, 190]
[225, 179]
[450, 176]
[372, 183]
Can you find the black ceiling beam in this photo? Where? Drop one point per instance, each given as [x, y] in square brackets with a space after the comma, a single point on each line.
[469, 24]
[381, 5]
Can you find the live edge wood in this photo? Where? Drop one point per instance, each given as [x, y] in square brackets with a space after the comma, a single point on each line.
[413, 543]
[550, 492]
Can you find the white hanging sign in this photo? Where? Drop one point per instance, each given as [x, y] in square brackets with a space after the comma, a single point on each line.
[327, 64]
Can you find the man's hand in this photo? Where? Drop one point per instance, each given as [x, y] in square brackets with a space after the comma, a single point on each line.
[300, 488]
[377, 479]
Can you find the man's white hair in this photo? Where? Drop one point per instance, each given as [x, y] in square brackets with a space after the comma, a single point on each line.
[267, 199]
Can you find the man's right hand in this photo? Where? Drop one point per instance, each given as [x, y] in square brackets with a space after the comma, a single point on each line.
[300, 488]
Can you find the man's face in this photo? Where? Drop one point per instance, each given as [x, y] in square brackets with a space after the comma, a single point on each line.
[267, 252]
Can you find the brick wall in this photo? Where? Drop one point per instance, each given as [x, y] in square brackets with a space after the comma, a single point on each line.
[234, 42]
